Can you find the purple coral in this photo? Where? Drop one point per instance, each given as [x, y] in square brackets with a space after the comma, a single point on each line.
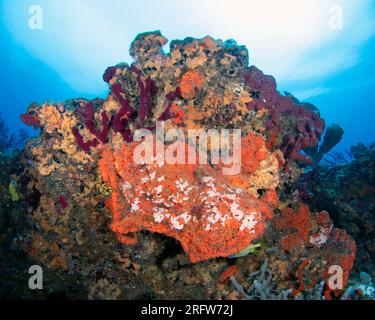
[167, 113]
[120, 121]
[109, 73]
[88, 114]
[85, 146]
[307, 126]
[146, 94]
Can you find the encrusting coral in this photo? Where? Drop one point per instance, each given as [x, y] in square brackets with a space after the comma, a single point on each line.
[84, 158]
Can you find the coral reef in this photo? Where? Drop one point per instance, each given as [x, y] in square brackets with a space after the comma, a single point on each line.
[128, 230]
[347, 191]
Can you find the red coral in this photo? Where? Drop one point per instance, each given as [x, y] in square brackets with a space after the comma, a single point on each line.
[63, 202]
[339, 251]
[194, 204]
[301, 282]
[30, 120]
[297, 224]
[312, 236]
[191, 82]
[227, 273]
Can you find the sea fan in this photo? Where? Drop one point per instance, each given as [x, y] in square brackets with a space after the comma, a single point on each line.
[10, 140]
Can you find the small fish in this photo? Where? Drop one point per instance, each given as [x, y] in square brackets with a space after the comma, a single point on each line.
[250, 249]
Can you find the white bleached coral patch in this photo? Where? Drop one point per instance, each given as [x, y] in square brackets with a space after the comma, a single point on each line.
[321, 238]
[249, 222]
[135, 204]
[179, 221]
[159, 214]
[236, 211]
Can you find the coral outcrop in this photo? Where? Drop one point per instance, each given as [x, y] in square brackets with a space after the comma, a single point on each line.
[348, 192]
[101, 217]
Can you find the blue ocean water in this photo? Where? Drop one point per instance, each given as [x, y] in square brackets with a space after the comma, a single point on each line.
[345, 95]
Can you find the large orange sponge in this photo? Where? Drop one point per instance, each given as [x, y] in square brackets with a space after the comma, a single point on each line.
[192, 203]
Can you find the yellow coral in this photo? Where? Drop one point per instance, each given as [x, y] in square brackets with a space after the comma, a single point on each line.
[49, 117]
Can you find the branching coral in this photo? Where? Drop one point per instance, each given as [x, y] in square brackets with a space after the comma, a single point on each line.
[8, 140]
[261, 287]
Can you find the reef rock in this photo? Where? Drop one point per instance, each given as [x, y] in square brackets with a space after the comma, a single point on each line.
[348, 192]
